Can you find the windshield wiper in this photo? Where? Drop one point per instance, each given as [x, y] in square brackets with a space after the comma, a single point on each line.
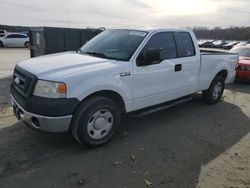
[96, 54]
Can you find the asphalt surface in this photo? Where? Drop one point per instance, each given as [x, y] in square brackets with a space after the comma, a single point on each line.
[190, 145]
[9, 57]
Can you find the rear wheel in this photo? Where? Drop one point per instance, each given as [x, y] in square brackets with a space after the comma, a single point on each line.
[215, 91]
[95, 121]
[1, 44]
[27, 44]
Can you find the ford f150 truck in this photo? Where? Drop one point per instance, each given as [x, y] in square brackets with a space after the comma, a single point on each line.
[119, 71]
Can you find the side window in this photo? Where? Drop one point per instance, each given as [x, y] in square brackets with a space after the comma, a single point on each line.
[16, 36]
[187, 45]
[165, 41]
[10, 36]
[21, 36]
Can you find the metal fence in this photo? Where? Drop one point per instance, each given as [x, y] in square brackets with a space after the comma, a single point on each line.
[48, 40]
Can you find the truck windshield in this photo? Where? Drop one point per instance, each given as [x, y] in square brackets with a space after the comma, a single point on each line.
[114, 44]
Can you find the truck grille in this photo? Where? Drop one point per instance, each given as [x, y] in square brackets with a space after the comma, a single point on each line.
[23, 81]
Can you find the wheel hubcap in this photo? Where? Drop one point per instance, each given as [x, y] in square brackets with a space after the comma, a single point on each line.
[217, 90]
[100, 124]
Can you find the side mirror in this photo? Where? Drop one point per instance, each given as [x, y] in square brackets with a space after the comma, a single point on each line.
[152, 56]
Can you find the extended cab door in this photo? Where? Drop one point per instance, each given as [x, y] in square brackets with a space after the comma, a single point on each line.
[172, 77]
[189, 59]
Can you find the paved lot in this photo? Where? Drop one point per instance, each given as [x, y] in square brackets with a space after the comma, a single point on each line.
[190, 145]
[9, 57]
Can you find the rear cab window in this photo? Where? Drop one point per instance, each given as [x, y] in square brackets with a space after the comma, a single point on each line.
[185, 45]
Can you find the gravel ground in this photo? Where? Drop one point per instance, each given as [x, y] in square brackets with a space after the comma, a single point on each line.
[190, 145]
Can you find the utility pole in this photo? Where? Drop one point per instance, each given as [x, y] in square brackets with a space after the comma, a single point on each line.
[68, 18]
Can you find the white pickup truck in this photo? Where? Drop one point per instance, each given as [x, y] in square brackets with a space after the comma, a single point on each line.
[119, 71]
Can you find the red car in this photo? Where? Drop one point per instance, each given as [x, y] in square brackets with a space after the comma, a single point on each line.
[243, 65]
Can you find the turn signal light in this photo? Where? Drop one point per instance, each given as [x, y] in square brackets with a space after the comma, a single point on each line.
[61, 88]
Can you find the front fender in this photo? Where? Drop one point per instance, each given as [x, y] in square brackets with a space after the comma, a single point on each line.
[81, 88]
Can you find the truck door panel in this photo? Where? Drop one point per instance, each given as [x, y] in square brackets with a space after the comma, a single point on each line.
[175, 76]
[152, 82]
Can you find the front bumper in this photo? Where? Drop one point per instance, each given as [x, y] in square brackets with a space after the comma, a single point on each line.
[39, 122]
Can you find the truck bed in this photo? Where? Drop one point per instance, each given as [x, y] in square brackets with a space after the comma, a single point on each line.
[212, 61]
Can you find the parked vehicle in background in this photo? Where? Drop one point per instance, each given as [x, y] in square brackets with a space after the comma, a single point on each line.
[207, 44]
[25, 32]
[119, 71]
[219, 43]
[2, 33]
[230, 45]
[14, 40]
[242, 43]
[243, 65]
[200, 42]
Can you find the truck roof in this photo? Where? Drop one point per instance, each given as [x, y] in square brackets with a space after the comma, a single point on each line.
[154, 29]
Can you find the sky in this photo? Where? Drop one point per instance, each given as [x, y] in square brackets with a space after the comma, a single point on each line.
[125, 13]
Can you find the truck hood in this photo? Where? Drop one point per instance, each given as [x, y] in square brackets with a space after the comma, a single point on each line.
[51, 67]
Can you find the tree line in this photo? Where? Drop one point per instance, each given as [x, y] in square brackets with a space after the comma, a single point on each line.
[231, 33]
[14, 28]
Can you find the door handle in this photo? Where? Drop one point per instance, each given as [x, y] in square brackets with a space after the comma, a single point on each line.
[178, 67]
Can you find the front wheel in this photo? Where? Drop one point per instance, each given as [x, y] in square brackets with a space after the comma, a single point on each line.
[95, 121]
[215, 91]
[1, 44]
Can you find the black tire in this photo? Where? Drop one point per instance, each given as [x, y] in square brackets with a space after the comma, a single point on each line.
[82, 118]
[209, 95]
[1, 44]
[27, 44]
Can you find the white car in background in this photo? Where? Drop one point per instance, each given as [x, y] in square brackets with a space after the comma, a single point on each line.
[242, 43]
[14, 40]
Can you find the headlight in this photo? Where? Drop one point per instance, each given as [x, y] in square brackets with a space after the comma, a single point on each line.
[50, 89]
